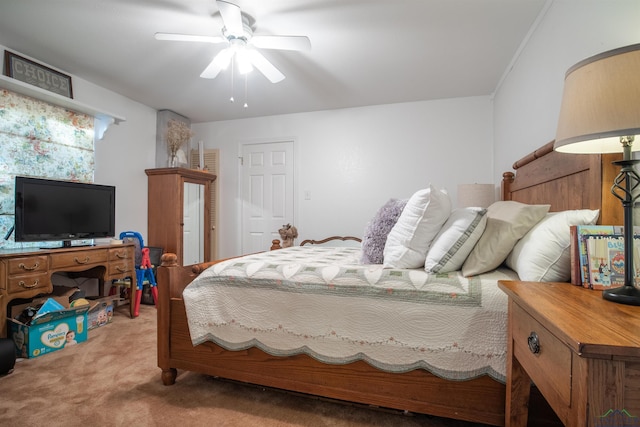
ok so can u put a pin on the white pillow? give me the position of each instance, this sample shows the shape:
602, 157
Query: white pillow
421, 219
544, 253
507, 222
456, 240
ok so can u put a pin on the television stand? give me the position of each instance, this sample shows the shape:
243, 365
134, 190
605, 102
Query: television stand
26, 273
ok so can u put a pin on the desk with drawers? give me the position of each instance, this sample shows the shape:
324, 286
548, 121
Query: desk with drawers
26, 273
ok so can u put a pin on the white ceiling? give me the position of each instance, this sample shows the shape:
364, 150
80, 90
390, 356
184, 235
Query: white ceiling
364, 52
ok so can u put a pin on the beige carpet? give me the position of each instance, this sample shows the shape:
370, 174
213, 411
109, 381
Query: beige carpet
112, 380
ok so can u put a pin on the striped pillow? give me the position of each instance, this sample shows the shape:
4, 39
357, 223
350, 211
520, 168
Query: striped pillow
456, 240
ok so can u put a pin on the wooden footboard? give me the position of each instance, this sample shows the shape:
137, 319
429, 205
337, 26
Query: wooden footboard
479, 400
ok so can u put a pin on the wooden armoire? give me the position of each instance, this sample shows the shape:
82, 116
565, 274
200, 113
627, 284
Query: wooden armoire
179, 205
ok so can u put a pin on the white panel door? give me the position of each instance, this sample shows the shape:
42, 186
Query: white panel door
193, 219
267, 193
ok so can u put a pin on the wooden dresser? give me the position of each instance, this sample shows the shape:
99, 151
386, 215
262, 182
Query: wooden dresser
179, 220
25, 273
582, 352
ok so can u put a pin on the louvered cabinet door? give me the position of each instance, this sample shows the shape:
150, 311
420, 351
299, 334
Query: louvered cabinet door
211, 161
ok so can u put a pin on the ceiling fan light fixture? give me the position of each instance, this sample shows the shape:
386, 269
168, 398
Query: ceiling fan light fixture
237, 32
244, 61
223, 58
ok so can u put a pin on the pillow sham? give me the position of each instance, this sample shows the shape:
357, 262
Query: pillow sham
544, 253
409, 239
377, 230
507, 222
456, 240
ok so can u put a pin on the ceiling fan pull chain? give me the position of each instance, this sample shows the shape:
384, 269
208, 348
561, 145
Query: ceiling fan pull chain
231, 98
246, 84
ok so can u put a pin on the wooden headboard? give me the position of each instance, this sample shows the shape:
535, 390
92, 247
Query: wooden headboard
569, 181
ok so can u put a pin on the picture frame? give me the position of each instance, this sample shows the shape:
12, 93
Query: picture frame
28, 71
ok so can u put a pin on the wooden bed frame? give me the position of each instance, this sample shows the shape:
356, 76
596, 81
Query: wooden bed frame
565, 181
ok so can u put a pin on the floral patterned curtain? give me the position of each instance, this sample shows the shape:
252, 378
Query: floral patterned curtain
40, 140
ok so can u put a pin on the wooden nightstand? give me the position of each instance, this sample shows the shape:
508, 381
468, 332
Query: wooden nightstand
582, 352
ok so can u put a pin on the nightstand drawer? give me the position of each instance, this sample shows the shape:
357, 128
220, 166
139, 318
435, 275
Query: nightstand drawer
548, 365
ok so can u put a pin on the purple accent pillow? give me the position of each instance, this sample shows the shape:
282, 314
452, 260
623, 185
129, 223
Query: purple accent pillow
377, 230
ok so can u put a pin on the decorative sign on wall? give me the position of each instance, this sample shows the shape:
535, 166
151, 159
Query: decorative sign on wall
36, 74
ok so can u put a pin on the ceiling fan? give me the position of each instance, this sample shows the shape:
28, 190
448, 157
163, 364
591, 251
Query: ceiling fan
237, 33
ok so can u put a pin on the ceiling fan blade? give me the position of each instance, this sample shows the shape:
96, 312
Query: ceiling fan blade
264, 66
220, 62
189, 38
282, 42
231, 16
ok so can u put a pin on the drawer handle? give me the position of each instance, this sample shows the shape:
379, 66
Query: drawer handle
534, 343
24, 285
121, 269
86, 260
121, 255
24, 267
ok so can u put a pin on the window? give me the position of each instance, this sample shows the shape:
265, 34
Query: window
40, 140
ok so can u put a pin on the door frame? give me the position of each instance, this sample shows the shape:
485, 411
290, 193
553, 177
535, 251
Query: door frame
239, 191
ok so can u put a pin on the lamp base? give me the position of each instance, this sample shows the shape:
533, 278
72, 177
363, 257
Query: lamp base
627, 294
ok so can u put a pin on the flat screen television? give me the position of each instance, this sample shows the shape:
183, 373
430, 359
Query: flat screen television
51, 210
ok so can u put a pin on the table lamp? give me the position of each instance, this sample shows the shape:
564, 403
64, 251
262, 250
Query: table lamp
600, 113
476, 195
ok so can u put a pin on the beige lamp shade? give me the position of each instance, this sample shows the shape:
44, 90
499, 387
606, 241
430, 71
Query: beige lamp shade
600, 103
476, 195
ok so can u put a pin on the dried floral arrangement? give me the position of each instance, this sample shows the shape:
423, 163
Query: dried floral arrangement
177, 134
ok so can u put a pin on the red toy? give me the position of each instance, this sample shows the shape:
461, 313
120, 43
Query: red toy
146, 261
147, 272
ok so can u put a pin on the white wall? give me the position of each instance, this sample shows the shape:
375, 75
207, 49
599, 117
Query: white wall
353, 160
124, 153
126, 150
528, 102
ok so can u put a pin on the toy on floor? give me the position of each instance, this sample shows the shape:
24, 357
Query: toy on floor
143, 267
145, 271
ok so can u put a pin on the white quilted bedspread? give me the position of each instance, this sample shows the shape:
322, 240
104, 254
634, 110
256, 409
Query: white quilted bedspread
320, 301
